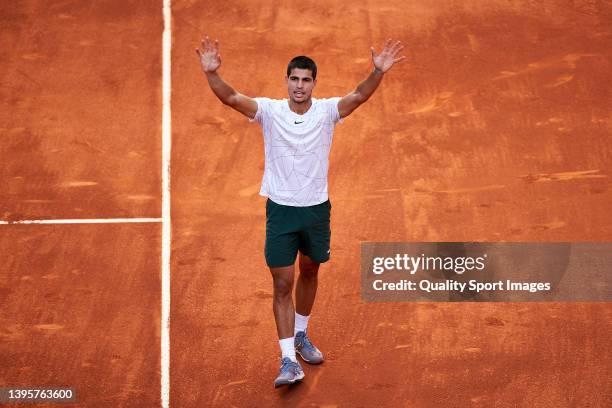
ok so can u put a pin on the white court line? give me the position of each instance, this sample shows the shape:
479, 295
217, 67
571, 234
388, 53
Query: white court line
166, 224
83, 221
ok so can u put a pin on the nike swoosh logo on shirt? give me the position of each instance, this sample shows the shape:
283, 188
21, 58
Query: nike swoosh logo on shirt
297, 123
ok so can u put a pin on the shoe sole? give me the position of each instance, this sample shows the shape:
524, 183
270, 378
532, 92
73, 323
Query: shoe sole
308, 361
295, 380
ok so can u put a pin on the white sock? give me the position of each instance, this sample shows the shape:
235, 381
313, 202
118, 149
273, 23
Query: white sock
288, 348
301, 323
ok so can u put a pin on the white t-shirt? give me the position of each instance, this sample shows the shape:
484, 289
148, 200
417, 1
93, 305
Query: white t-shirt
297, 150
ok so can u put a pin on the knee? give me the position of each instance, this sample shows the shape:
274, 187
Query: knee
309, 272
282, 287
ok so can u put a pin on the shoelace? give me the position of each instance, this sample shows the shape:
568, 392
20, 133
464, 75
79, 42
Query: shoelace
288, 364
305, 342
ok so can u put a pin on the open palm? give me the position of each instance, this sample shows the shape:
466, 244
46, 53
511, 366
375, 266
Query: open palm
387, 57
210, 59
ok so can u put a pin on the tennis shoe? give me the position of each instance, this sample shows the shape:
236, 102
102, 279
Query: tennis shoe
290, 372
307, 350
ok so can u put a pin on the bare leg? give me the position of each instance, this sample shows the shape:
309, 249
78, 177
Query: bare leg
282, 303
306, 288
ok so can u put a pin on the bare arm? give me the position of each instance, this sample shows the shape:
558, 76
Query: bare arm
210, 60
382, 63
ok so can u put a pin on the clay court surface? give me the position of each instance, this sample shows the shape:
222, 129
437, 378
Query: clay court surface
496, 128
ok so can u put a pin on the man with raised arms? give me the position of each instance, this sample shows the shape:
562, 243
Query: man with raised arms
297, 140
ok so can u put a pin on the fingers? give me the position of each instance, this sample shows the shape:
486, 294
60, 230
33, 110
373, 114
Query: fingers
209, 46
396, 47
397, 50
392, 47
399, 59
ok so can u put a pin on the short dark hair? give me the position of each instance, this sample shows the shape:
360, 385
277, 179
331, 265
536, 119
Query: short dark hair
302, 62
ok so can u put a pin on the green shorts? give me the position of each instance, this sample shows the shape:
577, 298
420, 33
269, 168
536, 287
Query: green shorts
292, 229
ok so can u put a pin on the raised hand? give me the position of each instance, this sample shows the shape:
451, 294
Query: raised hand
210, 59
385, 60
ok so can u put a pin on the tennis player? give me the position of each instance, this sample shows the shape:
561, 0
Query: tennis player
297, 134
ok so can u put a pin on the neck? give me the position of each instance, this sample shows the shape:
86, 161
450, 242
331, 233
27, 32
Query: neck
300, 107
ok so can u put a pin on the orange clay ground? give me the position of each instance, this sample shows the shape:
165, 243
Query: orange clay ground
495, 128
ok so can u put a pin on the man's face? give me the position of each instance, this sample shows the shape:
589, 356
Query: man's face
300, 85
